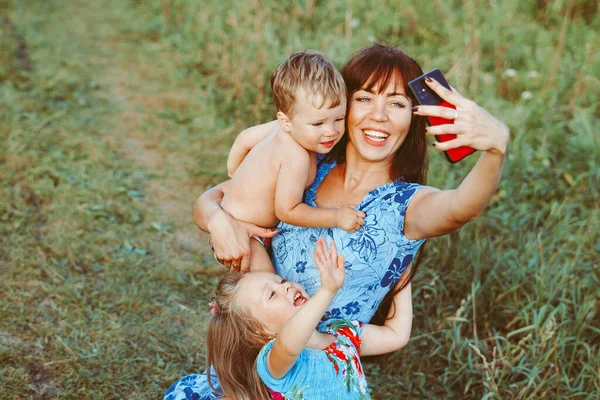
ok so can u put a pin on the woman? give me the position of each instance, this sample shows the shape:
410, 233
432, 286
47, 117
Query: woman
380, 165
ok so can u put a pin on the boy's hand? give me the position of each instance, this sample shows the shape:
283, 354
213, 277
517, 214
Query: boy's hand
330, 265
349, 219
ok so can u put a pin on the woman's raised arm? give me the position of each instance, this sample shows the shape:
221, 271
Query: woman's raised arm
437, 212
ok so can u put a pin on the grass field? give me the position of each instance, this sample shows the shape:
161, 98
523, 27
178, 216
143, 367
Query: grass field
116, 115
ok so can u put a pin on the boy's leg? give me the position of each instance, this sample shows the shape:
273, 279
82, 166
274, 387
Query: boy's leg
259, 259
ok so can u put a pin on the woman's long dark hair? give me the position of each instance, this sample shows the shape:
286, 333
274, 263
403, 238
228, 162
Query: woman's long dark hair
378, 65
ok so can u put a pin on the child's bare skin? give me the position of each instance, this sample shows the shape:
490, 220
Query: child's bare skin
269, 180
271, 165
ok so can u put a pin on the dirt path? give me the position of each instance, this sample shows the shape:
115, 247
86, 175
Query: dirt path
139, 84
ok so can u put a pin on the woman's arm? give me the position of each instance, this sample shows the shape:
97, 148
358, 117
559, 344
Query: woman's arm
208, 206
230, 237
297, 331
437, 212
395, 333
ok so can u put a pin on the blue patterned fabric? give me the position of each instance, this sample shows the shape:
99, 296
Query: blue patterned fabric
193, 387
331, 373
375, 255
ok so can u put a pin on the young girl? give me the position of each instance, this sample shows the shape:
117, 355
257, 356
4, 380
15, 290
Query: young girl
262, 336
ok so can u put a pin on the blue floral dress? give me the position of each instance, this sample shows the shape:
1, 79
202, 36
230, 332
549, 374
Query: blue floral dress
332, 373
375, 257
193, 387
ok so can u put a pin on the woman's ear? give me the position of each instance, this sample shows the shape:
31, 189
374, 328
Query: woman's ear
284, 121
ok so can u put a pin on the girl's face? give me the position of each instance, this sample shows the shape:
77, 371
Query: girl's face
271, 299
378, 121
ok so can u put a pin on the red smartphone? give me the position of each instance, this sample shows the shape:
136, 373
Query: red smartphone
426, 96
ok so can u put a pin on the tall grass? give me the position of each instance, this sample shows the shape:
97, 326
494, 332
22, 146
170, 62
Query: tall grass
98, 299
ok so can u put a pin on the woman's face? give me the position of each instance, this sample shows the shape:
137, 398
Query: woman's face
378, 121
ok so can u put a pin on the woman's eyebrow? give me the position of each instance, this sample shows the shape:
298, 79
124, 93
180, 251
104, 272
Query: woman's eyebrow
397, 94
388, 95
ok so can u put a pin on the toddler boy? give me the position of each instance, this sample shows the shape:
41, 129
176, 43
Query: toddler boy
272, 164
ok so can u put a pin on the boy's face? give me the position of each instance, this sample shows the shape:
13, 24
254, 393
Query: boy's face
315, 129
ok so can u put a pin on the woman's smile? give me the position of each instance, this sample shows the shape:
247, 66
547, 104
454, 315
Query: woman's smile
375, 137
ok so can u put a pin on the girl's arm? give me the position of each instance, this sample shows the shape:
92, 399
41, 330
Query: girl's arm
245, 141
230, 237
435, 212
395, 333
295, 334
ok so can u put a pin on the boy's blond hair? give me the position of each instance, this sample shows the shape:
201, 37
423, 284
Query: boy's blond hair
311, 71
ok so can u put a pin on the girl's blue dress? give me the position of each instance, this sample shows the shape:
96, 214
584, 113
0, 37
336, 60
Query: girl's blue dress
332, 373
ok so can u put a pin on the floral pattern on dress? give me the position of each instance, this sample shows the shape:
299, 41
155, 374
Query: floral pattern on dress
193, 387
333, 373
375, 256
343, 354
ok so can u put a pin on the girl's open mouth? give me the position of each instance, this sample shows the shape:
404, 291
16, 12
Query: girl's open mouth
299, 299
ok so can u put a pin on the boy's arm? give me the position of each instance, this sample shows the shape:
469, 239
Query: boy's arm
395, 333
295, 334
289, 208
245, 141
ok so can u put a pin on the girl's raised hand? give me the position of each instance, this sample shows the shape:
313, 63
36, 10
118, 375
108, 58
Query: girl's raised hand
473, 125
330, 265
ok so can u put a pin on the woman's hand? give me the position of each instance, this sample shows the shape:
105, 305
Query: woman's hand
230, 239
435, 212
473, 125
330, 265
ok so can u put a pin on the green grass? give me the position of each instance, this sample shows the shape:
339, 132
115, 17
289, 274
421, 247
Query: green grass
116, 114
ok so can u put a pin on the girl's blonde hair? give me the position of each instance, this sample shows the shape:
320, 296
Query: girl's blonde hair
234, 340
